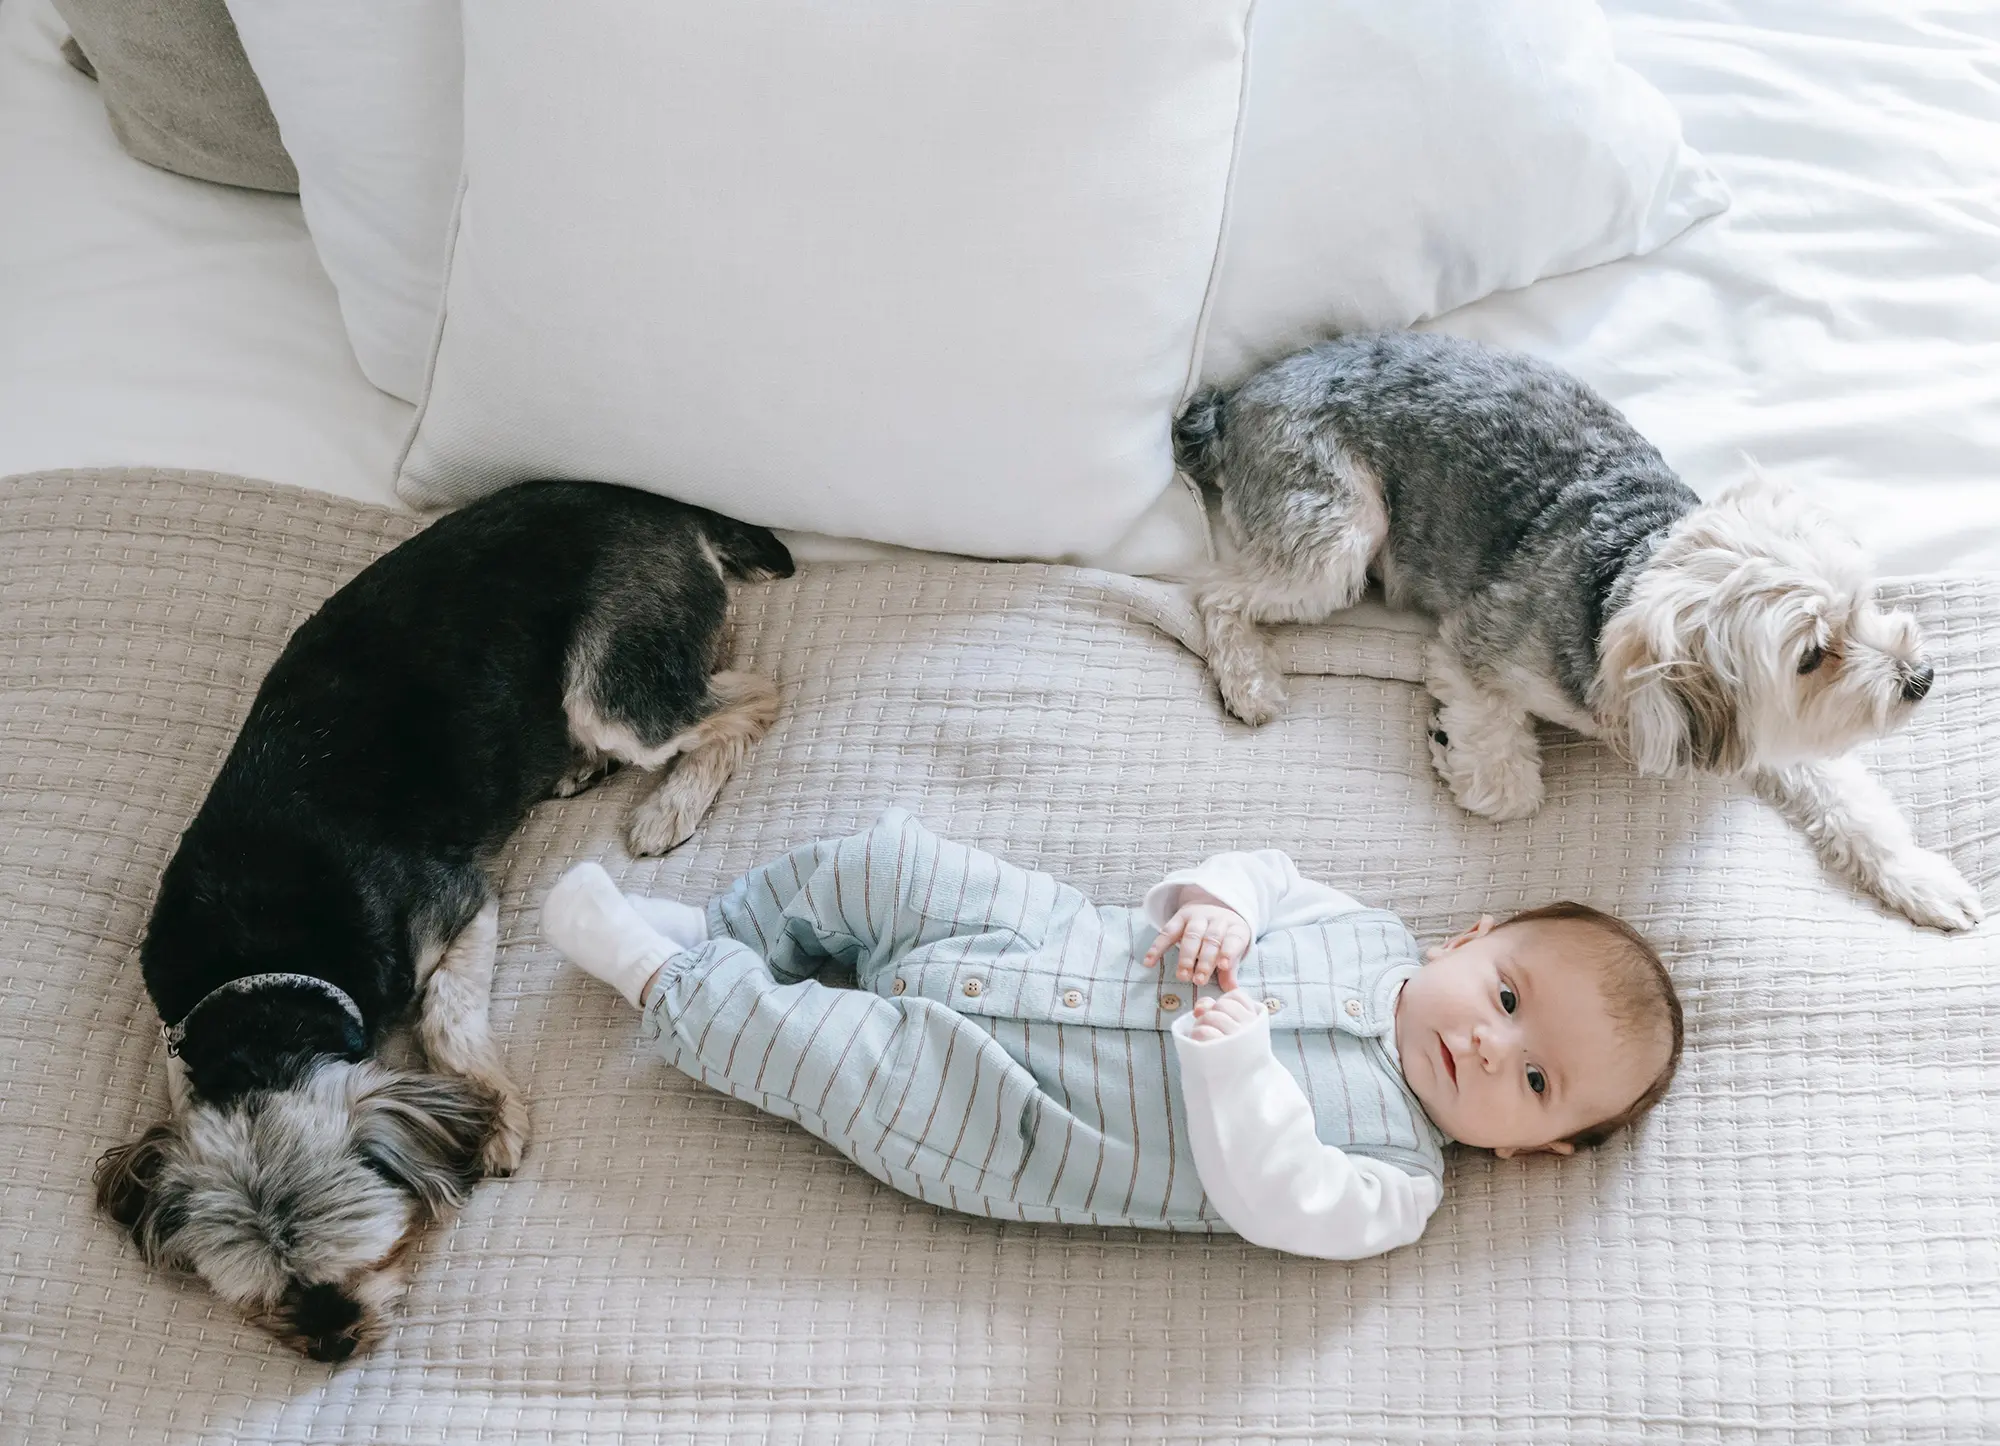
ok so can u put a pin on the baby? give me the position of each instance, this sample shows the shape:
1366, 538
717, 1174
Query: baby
1005, 1050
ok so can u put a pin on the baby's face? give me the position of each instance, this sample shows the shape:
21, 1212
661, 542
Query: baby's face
1507, 1041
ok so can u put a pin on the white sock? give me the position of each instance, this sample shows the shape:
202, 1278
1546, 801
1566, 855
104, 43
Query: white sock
686, 925
587, 919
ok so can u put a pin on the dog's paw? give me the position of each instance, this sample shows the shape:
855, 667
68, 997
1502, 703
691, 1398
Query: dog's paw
1925, 889
1256, 697
664, 820
501, 1155
1500, 784
584, 777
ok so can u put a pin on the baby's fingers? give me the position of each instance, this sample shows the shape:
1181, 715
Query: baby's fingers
1216, 955
1193, 941
1168, 937
1217, 1019
1239, 1006
1195, 960
1234, 946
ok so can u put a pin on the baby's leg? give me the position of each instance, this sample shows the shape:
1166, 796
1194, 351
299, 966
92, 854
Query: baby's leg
685, 924
902, 1085
724, 1017
865, 901
810, 906
597, 929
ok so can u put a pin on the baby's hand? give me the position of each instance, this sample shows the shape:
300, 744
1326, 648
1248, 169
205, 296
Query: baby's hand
1213, 940
1233, 1013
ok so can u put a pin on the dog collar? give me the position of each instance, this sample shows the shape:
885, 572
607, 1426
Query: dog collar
175, 1034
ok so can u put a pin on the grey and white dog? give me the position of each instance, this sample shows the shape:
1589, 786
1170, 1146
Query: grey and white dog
1574, 577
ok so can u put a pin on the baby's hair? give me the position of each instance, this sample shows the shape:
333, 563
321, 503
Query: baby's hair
1639, 991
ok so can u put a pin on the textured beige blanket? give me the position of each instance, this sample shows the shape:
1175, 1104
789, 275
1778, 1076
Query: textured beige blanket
1800, 1247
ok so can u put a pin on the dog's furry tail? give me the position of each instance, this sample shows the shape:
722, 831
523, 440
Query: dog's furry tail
745, 550
1198, 436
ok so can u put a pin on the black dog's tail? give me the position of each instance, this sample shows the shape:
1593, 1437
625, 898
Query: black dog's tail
746, 550
1198, 436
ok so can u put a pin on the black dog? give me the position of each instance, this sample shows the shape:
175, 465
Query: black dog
333, 878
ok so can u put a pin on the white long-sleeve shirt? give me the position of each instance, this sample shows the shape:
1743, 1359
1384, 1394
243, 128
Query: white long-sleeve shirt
1251, 1127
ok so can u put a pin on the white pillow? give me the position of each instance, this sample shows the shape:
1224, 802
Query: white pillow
1399, 160
1395, 162
366, 93
925, 273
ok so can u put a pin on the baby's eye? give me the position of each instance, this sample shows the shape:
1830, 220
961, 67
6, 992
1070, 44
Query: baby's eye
1507, 999
1537, 1081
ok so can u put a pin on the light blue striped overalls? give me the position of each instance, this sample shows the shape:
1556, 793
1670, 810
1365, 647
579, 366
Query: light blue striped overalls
1004, 1053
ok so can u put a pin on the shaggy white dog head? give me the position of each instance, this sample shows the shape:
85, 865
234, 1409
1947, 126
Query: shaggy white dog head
1752, 639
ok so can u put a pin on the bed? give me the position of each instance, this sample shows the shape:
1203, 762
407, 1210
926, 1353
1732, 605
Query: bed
1799, 1247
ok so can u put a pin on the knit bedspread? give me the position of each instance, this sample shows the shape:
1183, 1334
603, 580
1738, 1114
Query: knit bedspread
1801, 1246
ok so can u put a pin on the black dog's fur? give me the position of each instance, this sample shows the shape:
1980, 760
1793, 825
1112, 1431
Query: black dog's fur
400, 739
395, 745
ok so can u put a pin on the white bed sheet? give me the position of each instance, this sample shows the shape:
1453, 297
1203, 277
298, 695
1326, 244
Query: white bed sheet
1841, 323
149, 319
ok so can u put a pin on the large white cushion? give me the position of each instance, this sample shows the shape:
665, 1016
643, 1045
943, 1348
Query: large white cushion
366, 93
1394, 162
929, 274
1402, 159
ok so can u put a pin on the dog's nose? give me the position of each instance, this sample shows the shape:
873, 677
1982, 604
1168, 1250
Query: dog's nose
1917, 684
328, 1319
332, 1349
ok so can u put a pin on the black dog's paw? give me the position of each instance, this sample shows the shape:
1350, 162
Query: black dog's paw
584, 777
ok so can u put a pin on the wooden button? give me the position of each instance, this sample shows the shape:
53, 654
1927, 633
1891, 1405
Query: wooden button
901, 985
1170, 1001
973, 988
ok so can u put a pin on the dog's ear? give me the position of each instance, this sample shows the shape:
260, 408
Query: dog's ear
127, 1180
1752, 481
1635, 698
1714, 741
1757, 493
424, 1132
1663, 704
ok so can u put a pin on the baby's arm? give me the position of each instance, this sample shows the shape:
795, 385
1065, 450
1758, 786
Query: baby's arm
1263, 886
1262, 1164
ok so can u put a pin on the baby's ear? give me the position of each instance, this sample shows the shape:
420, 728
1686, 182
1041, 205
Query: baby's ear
1484, 926
1553, 1147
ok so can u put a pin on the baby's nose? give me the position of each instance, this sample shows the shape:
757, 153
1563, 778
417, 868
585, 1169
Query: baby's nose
1496, 1045
1486, 1044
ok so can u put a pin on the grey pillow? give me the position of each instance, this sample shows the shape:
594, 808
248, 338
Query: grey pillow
178, 90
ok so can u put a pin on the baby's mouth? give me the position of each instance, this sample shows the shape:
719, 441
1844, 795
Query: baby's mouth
1450, 1064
